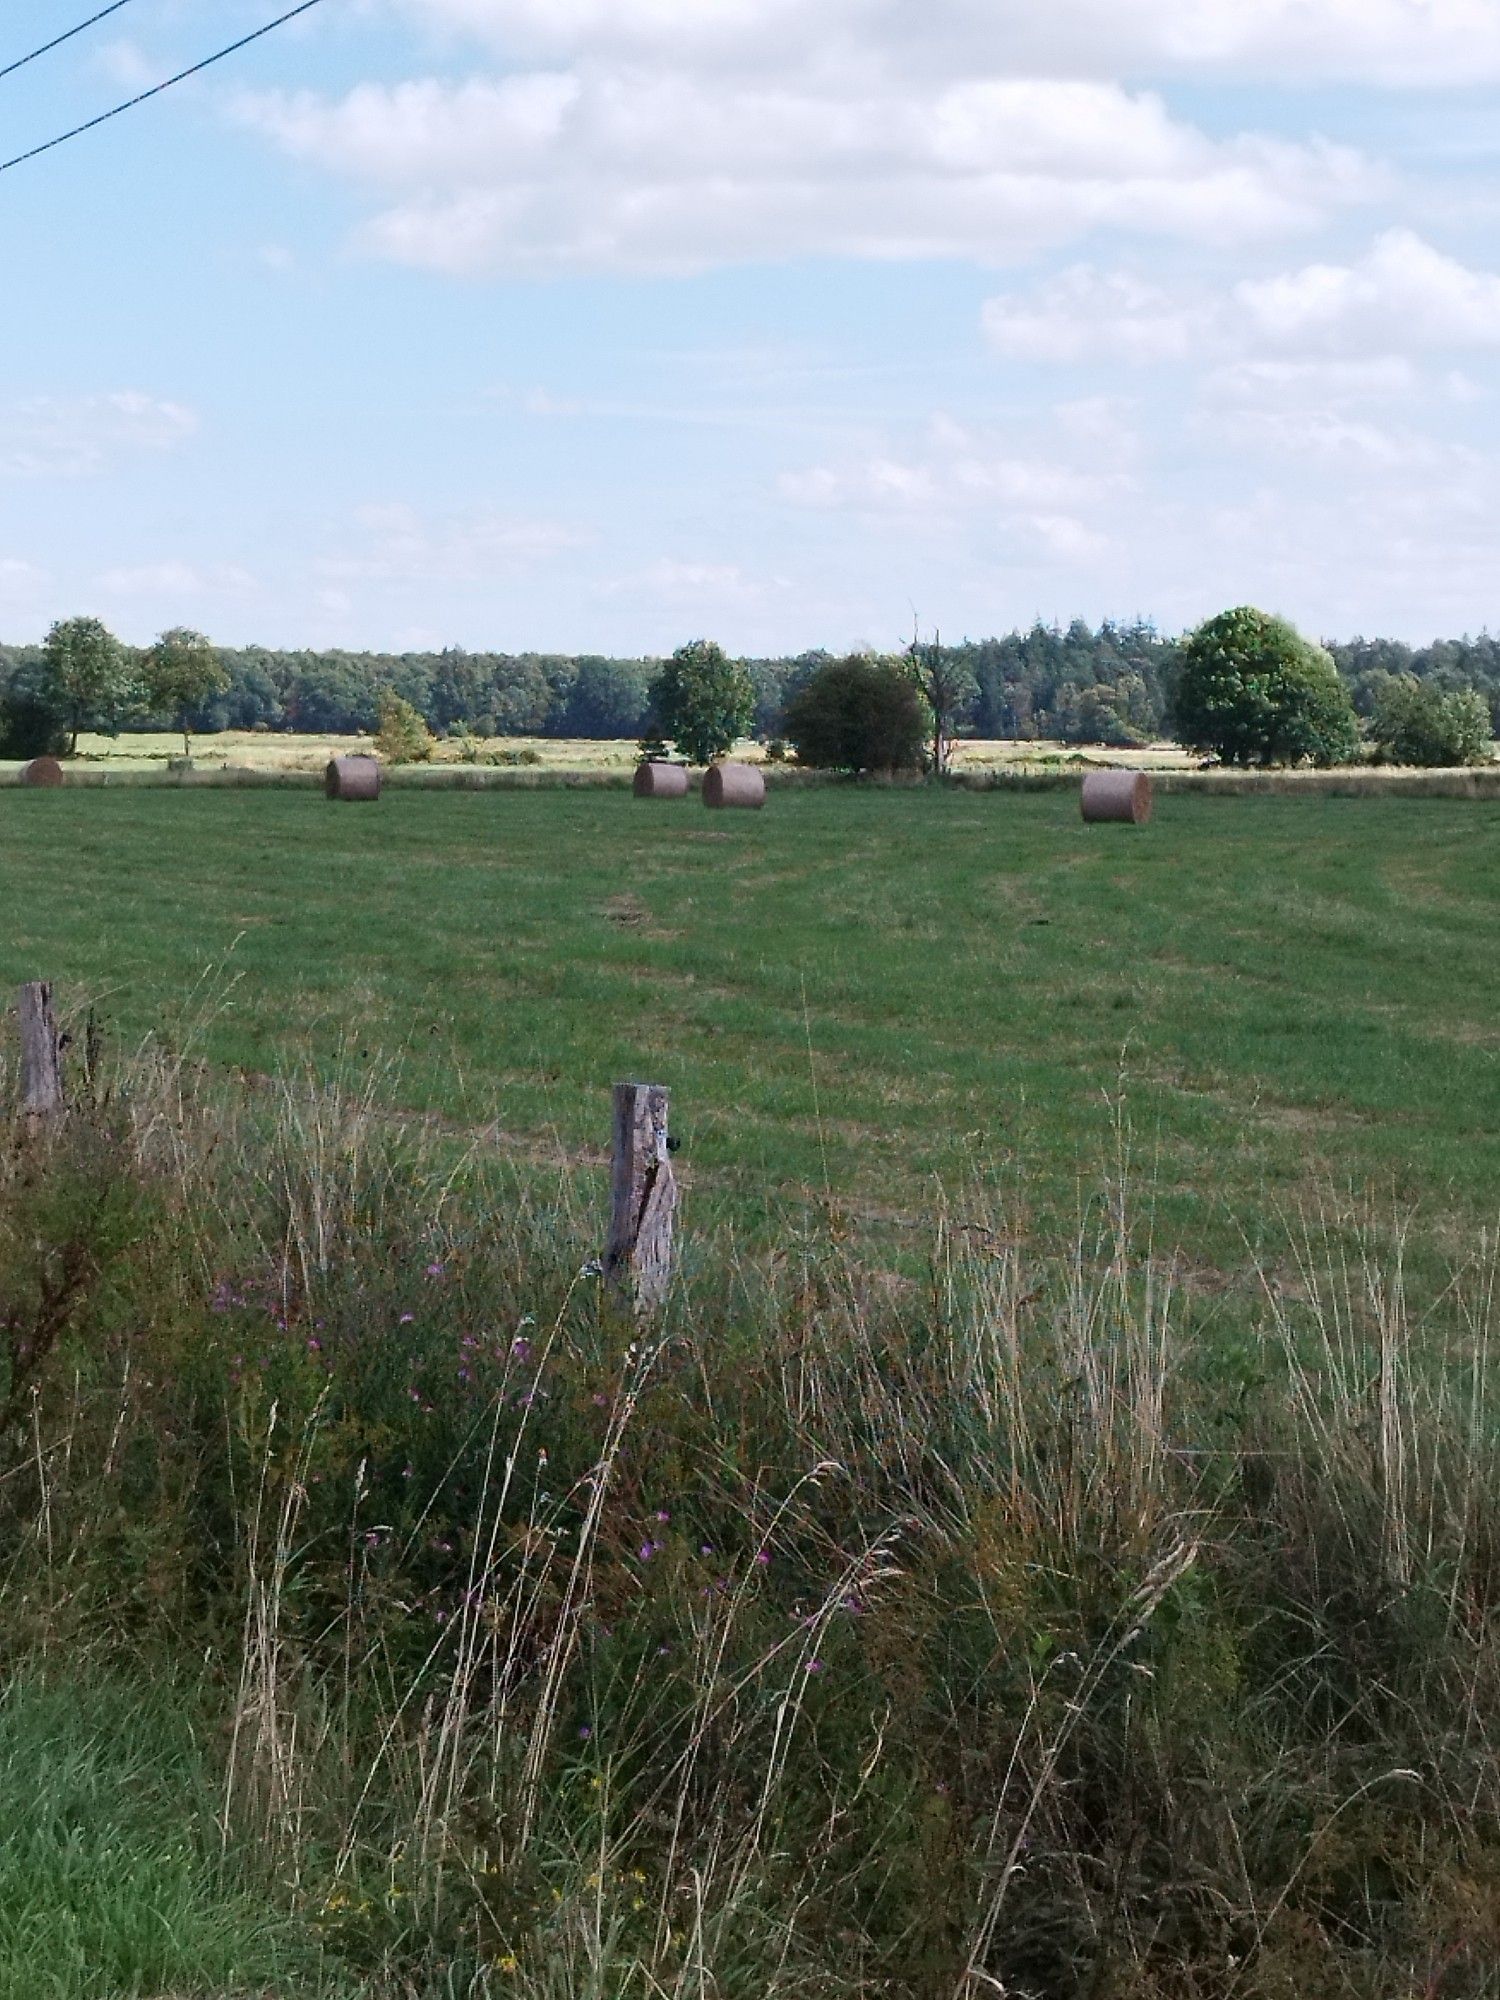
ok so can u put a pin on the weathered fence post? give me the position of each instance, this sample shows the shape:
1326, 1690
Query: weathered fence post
638, 1263
41, 1053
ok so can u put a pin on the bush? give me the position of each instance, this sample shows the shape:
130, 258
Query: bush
1415, 723
403, 737
1252, 690
858, 714
30, 726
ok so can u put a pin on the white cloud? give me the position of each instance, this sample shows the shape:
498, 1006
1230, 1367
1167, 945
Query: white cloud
1367, 318
399, 545
83, 434
1045, 500
1086, 314
666, 169
1403, 293
1396, 42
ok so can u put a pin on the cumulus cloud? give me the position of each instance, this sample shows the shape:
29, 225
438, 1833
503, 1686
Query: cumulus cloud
1402, 297
1404, 293
666, 169
75, 435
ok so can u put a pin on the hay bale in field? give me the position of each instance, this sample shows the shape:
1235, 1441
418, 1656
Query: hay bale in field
1117, 795
654, 780
43, 771
733, 785
352, 778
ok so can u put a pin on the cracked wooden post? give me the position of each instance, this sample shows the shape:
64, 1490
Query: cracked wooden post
41, 1054
638, 1263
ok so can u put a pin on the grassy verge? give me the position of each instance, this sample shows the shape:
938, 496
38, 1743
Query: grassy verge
1020, 1629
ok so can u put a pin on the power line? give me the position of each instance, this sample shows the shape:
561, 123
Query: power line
58, 40
157, 88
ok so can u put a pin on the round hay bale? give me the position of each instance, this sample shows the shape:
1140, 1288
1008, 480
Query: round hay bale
733, 785
352, 778
1117, 795
43, 771
661, 781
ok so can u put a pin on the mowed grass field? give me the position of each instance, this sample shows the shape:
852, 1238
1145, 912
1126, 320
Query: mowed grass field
879, 996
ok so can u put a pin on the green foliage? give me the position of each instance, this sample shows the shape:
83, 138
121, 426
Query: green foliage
1252, 690
111, 1878
29, 725
402, 736
1415, 722
85, 674
488, 1642
858, 714
180, 673
702, 701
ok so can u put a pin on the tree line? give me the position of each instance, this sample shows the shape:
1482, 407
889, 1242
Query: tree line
1112, 684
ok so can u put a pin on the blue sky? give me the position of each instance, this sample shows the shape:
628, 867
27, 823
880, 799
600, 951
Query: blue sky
599, 324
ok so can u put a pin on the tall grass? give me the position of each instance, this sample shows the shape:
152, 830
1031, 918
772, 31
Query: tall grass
1036, 1629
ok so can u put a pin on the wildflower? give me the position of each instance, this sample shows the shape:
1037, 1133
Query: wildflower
521, 1349
601, 1402
437, 1270
406, 1319
705, 1549
646, 1551
584, 1732
662, 1514
314, 1346
812, 1666
508, 1963
763, 1558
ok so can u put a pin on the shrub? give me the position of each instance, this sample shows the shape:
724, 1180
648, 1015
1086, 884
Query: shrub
1252, 690
702, 701
30, 726
858, 714
403, 737
1414, 722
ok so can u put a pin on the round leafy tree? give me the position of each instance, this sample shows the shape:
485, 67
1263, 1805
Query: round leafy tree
180, 673
701, 701
85, 675
1252, 690
858, 714
1416, 723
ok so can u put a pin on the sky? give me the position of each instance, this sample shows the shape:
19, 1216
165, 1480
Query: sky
599, 325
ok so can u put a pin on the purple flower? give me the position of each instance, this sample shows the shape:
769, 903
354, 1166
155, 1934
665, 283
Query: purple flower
812, 1666
406, 1319
521, 1349
662, 1514
315, 1346
705, 1550
585, 1733
646, 1551
763, 1557
437, 1270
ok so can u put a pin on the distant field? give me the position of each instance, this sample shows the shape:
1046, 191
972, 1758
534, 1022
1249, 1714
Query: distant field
262, 751
859, 993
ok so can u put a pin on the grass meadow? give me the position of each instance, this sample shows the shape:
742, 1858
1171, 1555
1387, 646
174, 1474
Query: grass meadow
1048, 1547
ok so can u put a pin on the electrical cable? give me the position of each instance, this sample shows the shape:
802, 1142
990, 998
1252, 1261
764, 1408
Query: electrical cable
58, 40
157, 88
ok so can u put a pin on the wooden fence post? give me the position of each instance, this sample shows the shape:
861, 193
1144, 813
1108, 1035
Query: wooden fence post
638, 1264
41, 1053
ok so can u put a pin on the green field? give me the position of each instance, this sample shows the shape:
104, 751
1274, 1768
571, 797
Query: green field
868, 993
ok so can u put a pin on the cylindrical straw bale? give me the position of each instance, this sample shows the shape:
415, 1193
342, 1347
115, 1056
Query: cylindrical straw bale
733, 785
1117, 795
661, 781
43, 771
352, 778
